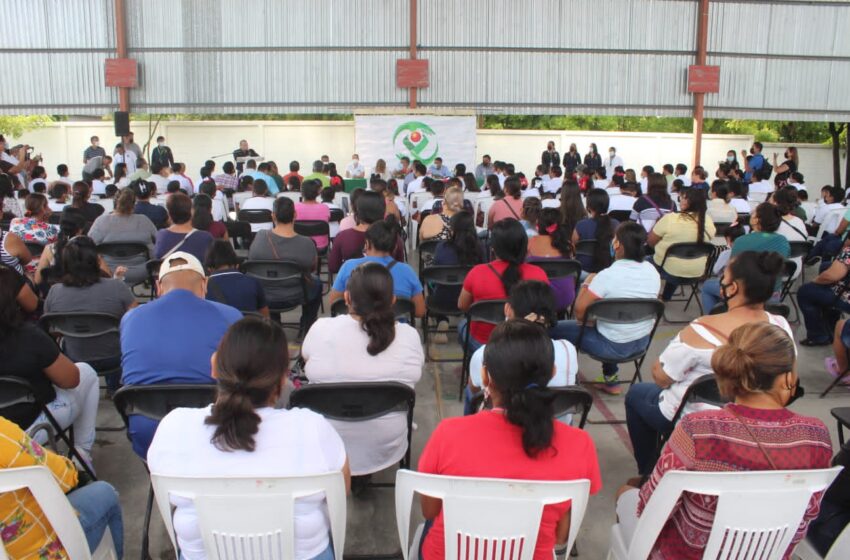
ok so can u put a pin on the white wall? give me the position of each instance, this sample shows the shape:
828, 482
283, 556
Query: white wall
193, 142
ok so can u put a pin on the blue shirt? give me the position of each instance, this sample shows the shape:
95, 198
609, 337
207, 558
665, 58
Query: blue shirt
756, 163
170, 340
405, 282
233, 288
270, 182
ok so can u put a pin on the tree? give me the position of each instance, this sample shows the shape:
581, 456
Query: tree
835, 131
16, 125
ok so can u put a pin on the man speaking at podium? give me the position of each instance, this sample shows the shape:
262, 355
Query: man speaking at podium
243, 152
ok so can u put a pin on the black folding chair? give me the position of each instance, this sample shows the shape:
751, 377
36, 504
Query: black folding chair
787, 282
240, 233
586, 248
572, 399
703, 390
123, 250
772, 308
337, 215
258, 216
35, 249
358, 402
620, 215
317, 228
690, 252
623, 311
744, 218
842, 417
153, 275
278, 275
155, 402
404, 309
17, 392
82, 325
800, 250
490, 311
557, 269
434, 278
720, 229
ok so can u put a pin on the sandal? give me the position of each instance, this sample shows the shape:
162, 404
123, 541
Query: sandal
810, 342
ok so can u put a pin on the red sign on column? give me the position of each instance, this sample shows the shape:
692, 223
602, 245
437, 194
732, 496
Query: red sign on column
703, 79
122, 72
411, 73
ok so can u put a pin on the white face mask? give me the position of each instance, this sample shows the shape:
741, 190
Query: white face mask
95, 144
612, 153
160, 144
730, 159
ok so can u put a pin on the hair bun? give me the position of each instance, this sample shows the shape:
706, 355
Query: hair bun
770, 262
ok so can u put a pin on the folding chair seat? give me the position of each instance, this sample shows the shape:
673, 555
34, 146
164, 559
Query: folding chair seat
691, 252
491, 312
317, 228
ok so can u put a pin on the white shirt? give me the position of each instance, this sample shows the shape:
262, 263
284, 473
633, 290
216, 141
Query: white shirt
686, 179
335, 352
295, 442
685, 364
829, 216
161, 182
552, 184
740, 205
799, 186
185, 183
35, 182
415, 186
620, 201
550, 203
601, 183
502, 179
761, 187
56, 206
259, 203
626, 279
355, 170
128, 158
644, 184
98, 187
611, 163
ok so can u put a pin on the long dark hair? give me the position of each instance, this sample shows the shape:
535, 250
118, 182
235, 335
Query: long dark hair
80, 194
696, 210
597, 201
71, 225
464, 238
10, 314
510, 244
519, 359
656, 190
251, 362
492, 182
470, 184
572, 207
202, 217
370, 288
80, 263
550, 224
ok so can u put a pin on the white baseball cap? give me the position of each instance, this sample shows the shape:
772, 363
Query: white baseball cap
172, 263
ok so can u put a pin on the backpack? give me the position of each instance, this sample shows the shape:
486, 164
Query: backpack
766, 170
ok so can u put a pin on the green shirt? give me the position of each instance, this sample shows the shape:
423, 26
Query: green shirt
759, 241
326, 182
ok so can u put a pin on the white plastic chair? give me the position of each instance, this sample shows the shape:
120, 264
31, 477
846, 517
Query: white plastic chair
251, 518
107, 203
58, 511
292, 195
488, 513
757, 514
840, 549
830, 222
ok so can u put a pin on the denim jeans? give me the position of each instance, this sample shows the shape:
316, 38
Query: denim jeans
645, 422
310, 309
598, 345
710, 294
113, 380
77, 406
97, 508
821, 309
461, 337
671, 283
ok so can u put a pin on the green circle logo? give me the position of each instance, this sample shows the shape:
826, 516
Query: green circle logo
416, 140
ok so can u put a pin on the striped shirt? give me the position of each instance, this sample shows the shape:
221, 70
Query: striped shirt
715, 440
92, 152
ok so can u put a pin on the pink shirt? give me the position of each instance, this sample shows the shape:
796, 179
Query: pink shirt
314, 211
504, 209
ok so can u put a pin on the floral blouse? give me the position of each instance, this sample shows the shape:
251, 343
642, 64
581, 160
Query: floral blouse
25, 531
32, 230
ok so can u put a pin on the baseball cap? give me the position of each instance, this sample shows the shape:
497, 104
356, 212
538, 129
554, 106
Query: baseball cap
178, 261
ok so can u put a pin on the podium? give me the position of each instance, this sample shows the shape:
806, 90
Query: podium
244, 160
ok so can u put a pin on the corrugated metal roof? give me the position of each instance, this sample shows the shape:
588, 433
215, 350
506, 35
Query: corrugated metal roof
783, 59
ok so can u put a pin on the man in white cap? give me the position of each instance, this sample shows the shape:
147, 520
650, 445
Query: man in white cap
172, 338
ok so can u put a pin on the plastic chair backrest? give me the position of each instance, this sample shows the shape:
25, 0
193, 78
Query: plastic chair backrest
123, 250
489, 517
690, 252
559, 268
55, 506
445, 275
703, 390
572, 399
312, 228
403, 308
354, 402
156, 401
276, 275
294, 196
81, 324
831, 221
490, 311
251, 517
624, 310
15, 391
256, 216
757, 515
337, 215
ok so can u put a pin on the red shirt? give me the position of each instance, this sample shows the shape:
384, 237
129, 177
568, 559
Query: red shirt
292, 174
487, 445
482, 283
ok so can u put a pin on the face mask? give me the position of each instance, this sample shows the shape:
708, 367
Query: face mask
725, 296
95, 144
730, 159
752, 151
611, 154
613, 251
797, 392
786, 155
160, 144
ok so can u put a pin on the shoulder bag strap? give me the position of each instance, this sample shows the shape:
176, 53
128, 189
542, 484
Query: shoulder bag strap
180, 244
790, 225
271, 244
511, 208
753, 437
496, 272
391, 264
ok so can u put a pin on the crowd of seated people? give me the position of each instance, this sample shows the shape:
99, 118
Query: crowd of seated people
194, 331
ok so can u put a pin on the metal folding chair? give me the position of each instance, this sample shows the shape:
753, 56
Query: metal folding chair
318, 228
690, 252
491, 312
434, 278
277, 275
404, 309
557, 269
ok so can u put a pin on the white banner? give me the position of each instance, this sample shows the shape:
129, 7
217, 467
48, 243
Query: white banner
421, 137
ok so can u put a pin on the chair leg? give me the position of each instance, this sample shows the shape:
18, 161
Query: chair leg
637, 376
147, 524
835, 382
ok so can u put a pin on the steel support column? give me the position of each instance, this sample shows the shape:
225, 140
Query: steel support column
121, 50
699, 98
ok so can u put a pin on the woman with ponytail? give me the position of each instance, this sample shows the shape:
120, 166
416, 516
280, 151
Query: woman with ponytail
599, 227
747, 284
496, 279
366, 345
80, 205
553, 242
242, 434
518, 438
756, 370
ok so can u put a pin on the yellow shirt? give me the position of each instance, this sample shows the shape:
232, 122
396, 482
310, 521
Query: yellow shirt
25, 530
680, 228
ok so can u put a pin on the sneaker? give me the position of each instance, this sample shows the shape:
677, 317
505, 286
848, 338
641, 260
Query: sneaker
833, 371
441, 337
609, 385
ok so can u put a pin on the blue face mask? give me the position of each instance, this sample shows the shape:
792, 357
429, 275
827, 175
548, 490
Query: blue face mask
613, 252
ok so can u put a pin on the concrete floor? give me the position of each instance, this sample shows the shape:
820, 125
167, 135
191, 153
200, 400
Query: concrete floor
371, 516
